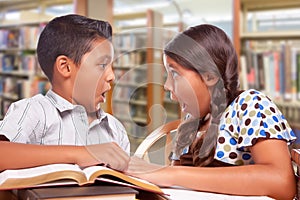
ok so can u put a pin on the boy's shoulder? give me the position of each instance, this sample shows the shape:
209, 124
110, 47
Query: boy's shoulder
33, 106
30, 100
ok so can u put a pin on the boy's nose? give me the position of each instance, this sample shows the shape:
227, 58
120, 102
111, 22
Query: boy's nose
110, 74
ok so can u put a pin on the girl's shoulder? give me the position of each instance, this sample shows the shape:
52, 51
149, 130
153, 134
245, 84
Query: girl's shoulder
251, 97
251, 93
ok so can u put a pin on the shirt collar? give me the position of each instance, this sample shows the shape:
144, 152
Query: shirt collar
59, 102
63, 105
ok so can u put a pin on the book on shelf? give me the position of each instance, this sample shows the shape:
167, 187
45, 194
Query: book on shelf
272, 67
13, 37
69, 174
9, 62
72, 192
3, 38
24, 37
29, 36
28, 62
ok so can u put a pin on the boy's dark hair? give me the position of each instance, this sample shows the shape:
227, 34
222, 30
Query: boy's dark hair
70, 35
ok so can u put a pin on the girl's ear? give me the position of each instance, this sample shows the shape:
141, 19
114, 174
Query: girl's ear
63, 66
210, 79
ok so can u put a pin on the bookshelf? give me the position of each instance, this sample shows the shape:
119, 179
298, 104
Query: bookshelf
269, 52
20, 76
138, 98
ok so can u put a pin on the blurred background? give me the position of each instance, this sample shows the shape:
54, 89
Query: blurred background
266, 35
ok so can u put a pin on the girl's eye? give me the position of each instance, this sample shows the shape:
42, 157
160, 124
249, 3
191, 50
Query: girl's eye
174, 73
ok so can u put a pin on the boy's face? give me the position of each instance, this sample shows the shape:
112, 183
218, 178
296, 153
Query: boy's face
93, 76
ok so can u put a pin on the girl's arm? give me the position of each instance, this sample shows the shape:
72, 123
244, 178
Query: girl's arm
271, 175
17, 155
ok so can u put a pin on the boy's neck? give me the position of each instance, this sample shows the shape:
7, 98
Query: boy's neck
92, 116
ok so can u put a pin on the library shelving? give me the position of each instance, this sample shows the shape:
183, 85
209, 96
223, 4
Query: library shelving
20, 76
138, 98
269, 52
21, 23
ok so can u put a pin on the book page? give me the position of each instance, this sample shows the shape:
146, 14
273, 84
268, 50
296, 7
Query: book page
89, 171
95, 172
36, 171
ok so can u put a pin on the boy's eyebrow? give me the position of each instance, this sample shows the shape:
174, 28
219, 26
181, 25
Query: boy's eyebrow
101, 58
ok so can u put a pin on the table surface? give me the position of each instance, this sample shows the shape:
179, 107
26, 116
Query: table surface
179, 194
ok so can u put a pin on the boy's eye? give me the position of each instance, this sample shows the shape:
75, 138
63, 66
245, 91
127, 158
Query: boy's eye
104, 62
103, 65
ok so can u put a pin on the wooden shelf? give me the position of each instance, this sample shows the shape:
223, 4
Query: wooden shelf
131, 67
9, 96
138, 102
140, 120
133, 119
21, 24
134, 102
258, 5
18, 74
271, 35
16, 49
134, 85
130, 16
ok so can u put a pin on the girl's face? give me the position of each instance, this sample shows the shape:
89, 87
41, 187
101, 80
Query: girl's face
187, 87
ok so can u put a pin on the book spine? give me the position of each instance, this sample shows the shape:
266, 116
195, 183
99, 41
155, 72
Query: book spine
282, 70
276, 57
27, 194
288, 73
266, 66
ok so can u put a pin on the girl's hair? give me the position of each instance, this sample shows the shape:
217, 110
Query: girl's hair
70, 35
205, 48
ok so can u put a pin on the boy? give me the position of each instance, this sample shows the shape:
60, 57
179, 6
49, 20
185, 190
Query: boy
67, 125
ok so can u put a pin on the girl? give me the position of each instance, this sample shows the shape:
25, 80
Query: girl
236, 141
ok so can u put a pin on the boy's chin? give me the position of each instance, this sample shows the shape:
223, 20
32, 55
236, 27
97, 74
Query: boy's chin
98, 106
91, 109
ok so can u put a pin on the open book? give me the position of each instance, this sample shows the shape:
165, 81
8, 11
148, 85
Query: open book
69, 174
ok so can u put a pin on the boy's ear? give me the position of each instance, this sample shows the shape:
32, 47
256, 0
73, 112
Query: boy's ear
210, 79
62, 65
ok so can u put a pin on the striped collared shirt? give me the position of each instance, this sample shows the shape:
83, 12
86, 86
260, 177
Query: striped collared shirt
52, 120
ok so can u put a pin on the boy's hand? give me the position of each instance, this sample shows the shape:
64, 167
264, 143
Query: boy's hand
109, 154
